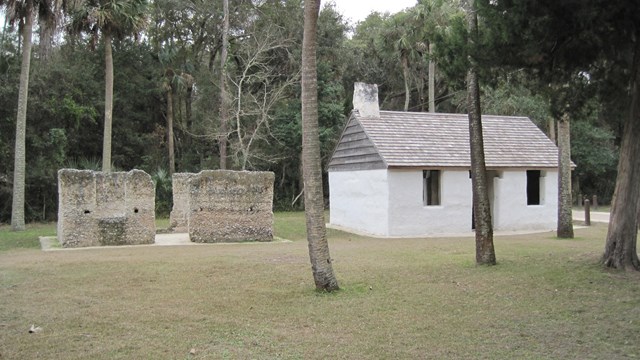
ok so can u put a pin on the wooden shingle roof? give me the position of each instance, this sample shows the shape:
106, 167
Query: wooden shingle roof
410, 139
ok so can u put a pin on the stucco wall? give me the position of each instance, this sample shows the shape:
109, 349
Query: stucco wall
408, 216
359, 200
511, 211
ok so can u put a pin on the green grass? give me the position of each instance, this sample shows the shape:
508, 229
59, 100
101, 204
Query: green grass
27, 239
162, 223
400, 299
287, 225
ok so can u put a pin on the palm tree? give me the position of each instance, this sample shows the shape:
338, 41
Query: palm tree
167, 87
23, 12
224, 96
110, 18
313, 195
168, 84
400, 39
433, 15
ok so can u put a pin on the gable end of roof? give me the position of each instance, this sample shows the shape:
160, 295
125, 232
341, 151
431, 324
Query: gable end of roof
355, 150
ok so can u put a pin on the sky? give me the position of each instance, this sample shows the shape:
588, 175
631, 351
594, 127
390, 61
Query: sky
357, 10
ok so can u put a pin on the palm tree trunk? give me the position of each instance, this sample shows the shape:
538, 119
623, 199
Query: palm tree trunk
405, 73
300, 183
224, 96
46, 33
485, 253
432, 81
170, 146
188, 113
4, 31
312, 173
551, 125
19, 176
108, 103
188, 107
419, 79
621, 246
565, 221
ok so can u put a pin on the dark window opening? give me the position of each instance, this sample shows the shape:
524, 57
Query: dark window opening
135, 210
87, 211
533, 187
431, 187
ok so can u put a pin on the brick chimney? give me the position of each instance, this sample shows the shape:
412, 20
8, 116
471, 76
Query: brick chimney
365, 99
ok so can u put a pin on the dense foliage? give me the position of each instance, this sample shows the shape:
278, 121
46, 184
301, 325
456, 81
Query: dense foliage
178, 51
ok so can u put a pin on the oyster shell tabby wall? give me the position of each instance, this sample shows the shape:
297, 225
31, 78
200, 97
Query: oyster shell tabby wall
180, 210
96, 208
230, 206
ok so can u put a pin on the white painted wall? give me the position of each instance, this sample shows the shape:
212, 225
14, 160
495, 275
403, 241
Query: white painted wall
408, 216
389, 202
511, 211
359, 201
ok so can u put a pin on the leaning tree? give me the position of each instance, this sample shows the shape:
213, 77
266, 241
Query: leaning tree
312, 173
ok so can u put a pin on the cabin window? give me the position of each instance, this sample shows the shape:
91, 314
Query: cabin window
431, 187
535, 187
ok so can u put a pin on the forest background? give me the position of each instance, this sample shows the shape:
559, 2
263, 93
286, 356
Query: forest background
168, 78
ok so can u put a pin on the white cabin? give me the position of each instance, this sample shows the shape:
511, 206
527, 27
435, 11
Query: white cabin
399, 174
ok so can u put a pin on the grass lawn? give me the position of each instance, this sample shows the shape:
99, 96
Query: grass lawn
27, 239
401, 299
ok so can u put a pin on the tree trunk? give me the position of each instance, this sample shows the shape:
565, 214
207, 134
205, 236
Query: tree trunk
405, 73
565, 221
419, 79
300, 184
576, 196
312, 173
552, 130
620, 249
19, 176
46, 33
178, 109
19, 50
170, 146
4, 31
485, 253
432, 81
189, 107
224, 96
108, 103
188, 113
